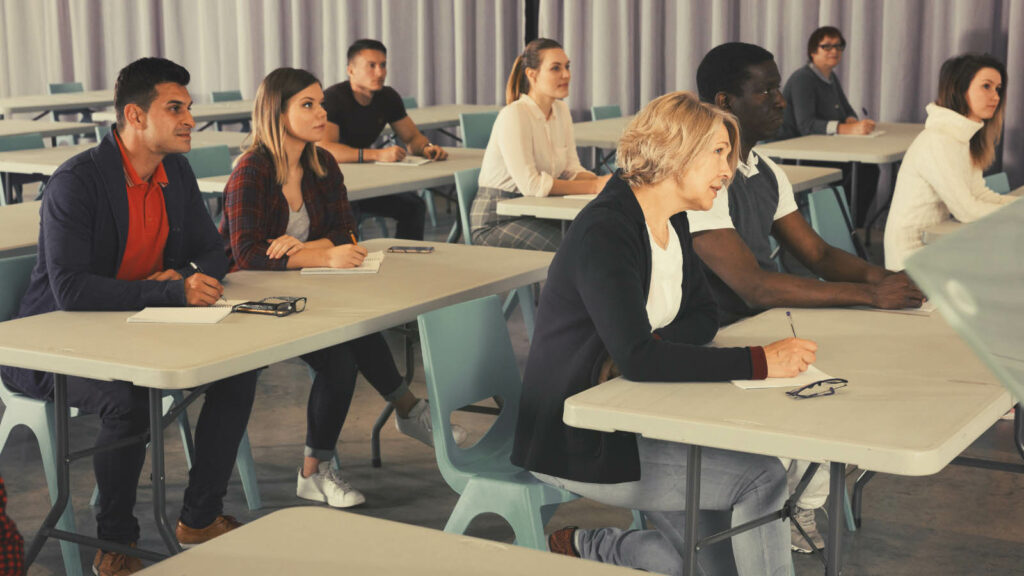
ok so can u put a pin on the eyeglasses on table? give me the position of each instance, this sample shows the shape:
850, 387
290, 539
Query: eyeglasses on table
825, 387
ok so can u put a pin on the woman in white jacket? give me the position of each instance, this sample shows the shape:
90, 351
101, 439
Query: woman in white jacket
941, 176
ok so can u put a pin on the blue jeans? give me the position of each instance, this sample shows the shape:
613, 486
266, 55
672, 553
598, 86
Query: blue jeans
735, 488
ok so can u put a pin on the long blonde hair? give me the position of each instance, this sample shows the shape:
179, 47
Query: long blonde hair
668, 135
518, 83
955, 78
268, 129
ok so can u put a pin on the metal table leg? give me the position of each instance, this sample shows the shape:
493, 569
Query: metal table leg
60, 405
156, 448
833, 547
692, 510
858, 494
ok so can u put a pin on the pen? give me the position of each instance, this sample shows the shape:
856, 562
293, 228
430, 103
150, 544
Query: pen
865, 111
791, 328
196, 268
353, 237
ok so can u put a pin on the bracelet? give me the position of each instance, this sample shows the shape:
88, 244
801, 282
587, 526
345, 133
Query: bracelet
360, 155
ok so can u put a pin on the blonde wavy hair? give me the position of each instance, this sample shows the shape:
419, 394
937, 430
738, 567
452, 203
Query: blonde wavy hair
667, 136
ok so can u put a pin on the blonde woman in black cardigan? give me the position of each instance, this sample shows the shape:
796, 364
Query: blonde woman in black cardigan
625, 292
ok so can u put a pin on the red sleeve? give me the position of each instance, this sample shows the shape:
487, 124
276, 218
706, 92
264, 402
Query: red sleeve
758, 363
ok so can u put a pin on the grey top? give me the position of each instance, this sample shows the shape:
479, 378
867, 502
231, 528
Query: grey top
298, 224
812, 102
753, 202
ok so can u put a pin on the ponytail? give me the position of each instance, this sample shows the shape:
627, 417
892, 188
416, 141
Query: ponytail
518, 83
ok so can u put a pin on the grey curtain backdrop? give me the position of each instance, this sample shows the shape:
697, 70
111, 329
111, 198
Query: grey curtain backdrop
624, 52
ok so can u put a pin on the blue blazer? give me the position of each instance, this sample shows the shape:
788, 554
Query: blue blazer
82, 236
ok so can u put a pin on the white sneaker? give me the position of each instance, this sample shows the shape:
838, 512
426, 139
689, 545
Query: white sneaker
328, 486
418, 425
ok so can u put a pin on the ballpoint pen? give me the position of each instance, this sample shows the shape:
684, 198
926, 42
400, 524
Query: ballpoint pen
791, 328
195, 267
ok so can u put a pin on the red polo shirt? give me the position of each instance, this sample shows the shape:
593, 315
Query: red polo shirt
147, 221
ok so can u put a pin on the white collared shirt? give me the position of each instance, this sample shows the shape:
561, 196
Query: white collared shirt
527, 151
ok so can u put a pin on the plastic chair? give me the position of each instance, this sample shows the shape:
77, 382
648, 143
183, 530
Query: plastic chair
466, 187
476, 128
601, 113
36, 415
998, 183
101, 131
211, 161
229, 96
827, 207
410, 102
12, 183
468, 357
85, 114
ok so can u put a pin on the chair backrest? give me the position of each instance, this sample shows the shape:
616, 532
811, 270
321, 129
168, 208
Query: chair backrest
410, 102
466, 185
210, 161
827, 207
101, 131
998, 183
974, 277
227, 96
65, 87
14, 142
476, 128
468, 357
14, 276
602, 112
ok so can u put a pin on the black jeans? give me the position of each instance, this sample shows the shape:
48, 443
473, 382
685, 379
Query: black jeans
334, 383
407, 208
124, 412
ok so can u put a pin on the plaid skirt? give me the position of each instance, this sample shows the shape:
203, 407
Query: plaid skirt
488, 228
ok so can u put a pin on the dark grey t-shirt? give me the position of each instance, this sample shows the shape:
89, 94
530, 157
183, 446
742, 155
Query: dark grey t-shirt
811, 103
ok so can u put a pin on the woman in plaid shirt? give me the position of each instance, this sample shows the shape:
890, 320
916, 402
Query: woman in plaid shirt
285, 207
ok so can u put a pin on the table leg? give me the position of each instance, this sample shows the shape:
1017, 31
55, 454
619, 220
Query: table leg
853, 191
1018, 429
833, 546
692, 510
858, 494
60, 407
156, 447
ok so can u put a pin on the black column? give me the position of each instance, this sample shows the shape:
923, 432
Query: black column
532, 17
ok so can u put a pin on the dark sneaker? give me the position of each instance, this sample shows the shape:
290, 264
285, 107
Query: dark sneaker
115, 564
189, 537
562, 541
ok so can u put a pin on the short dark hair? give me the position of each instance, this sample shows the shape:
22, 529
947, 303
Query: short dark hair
365, 44
724, 68
820, 34
136, 83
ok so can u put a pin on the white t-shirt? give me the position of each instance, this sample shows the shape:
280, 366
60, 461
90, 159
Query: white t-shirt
666, 291
718, 217
528, 151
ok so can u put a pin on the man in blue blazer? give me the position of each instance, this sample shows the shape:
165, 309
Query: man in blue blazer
123, 226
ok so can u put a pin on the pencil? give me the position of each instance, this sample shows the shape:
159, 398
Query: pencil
353, 237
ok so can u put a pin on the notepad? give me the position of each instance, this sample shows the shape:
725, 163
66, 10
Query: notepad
926, 309
580, 196
371, 265
407, 161
874, 134
184, 314
811, 375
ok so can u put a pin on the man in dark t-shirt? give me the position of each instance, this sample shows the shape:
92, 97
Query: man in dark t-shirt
357, 112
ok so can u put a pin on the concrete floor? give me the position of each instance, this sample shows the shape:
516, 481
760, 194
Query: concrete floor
960, 521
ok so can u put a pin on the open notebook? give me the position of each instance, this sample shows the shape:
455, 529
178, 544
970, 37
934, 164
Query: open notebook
407, 161
811, 375
371, 265
184, 314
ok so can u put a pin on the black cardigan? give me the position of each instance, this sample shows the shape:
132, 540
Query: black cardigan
594, 305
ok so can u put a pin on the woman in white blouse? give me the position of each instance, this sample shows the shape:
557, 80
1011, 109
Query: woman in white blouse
941, 175
531, 152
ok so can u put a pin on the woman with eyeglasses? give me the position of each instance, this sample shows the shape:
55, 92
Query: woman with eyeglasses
285, 207
941, 175
816, 104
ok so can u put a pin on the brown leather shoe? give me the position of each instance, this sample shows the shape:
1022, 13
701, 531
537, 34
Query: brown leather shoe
561, 541
115, 564
189, 537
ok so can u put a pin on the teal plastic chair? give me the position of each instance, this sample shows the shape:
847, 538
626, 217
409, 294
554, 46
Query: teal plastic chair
600, 113
998, 183
36, 415
84, 114
410, 102
476, 128
101, 131
12, 183
467, 358
229, 96
211, 161
827, 207
466, 187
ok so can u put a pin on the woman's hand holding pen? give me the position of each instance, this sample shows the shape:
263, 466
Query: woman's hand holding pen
344, 256
789, 357
283, 246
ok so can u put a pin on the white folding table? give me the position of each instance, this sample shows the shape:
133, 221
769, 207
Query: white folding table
44, 129
19, 228
45, 103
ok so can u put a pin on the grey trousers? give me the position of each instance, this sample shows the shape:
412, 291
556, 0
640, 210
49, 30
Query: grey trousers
735, 488
522, 232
